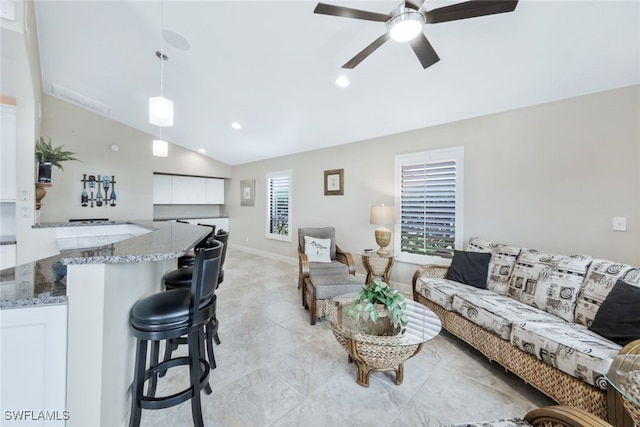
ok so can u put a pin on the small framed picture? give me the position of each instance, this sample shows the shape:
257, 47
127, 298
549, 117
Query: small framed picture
247, 192
334, 182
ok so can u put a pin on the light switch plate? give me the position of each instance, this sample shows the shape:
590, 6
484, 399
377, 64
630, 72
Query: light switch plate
24, 195
25, 211
619, 223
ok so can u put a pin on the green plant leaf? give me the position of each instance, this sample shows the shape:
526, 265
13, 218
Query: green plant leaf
46, 153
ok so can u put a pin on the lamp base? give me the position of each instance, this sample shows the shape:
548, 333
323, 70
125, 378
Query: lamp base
383, 238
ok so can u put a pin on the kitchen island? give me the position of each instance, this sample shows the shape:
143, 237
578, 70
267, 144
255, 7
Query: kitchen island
74, 307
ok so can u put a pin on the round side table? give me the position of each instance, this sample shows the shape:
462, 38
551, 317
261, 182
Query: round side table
377, 265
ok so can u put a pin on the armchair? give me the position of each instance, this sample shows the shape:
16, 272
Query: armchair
321, 281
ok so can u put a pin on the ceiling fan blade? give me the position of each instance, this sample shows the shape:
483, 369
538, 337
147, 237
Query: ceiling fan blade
424, 51
470, 9
366, 51
347, 12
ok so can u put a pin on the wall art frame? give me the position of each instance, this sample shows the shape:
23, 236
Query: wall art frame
334, 182
247, 192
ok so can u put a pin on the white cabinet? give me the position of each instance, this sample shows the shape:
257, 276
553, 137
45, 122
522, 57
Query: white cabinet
161, 189
34, 362
215, 191
7, 256
187, 190
8, 153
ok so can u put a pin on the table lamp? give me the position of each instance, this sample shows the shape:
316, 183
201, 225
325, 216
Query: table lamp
382, 215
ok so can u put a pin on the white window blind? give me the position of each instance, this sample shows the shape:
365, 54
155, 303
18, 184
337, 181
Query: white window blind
279, 205
429, 208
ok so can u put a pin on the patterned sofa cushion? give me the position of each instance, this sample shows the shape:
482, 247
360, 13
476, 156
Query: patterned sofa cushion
442, 291
570, 347
600, 278
497, 313
503, 258
549, 282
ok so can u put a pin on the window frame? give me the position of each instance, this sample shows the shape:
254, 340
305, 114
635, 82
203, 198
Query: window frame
270, 176
455, 154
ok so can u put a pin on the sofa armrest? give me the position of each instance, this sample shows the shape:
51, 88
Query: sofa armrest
429, 270
565, 416
346, 258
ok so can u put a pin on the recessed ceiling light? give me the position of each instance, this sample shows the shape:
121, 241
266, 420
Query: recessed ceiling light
342, 81
236, 125
202, 150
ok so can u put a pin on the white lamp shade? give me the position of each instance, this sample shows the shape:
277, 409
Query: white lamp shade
160, 148
160, 111
382, 215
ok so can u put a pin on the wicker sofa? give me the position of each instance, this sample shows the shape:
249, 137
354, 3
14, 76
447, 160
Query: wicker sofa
533, 317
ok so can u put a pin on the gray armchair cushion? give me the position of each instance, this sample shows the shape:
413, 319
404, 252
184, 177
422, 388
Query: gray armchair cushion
324, 269
321, 233
331, 286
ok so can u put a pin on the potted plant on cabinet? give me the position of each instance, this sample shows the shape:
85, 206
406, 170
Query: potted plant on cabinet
47, 156
380, 306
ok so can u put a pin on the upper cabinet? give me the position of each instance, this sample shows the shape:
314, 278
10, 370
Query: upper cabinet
187, 190
215, 191
161, 189
8, 153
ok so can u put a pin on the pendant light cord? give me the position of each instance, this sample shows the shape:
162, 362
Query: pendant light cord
161, 55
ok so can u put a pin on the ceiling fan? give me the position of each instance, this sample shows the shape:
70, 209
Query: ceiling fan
405, 22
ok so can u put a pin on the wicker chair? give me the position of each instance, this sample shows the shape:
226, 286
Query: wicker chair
322, 281
548, 416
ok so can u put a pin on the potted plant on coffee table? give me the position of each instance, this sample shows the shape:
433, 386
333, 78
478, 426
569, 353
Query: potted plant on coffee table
380, 306
47, 156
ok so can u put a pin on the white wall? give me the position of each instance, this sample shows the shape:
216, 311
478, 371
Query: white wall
549, 177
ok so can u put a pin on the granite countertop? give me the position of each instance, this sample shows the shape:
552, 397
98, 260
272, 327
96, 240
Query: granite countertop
44, 281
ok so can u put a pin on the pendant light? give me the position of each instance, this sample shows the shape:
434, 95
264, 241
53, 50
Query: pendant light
160, 148
160, 108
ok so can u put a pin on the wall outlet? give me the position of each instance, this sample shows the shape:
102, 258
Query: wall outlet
25, 212
619, 223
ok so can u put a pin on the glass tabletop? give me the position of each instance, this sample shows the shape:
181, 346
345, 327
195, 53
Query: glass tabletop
422, 326
624, 375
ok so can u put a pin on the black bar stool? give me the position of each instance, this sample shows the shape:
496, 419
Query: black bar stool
168, 315
181, 278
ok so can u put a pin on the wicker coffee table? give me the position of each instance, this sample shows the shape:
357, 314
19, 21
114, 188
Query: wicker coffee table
373, 353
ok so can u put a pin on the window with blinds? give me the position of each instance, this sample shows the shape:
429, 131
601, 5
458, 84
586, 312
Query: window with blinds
429, 204
279, 205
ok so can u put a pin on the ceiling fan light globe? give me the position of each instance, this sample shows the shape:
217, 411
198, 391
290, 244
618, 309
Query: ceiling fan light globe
406, 26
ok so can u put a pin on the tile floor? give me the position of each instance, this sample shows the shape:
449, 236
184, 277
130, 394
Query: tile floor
274, 369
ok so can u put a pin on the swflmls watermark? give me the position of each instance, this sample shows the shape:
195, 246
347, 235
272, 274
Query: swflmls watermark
29, 415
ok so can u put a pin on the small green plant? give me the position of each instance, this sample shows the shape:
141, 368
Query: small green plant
47, 153
378, 292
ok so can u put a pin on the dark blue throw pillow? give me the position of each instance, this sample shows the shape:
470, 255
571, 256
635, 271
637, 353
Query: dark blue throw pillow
470, 268
618, 318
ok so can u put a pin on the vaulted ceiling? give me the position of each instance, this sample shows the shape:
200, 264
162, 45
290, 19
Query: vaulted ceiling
271, 66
